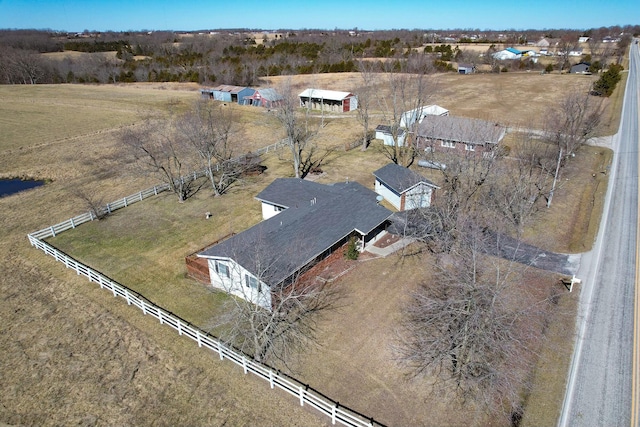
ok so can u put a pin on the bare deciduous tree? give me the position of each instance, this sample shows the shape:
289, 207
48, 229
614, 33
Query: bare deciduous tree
365, 95
210, 130
161, 150
93, 202
462, 183
471, 330
407, 93
273, 323
520, 181
570, 124
573, 121
300, 132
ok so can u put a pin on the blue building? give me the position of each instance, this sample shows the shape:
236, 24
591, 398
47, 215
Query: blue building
227, 93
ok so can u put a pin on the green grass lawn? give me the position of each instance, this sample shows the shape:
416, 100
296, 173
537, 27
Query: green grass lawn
144, 246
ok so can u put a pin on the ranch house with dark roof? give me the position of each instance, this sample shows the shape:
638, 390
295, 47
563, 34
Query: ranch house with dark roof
304, 222
444, 133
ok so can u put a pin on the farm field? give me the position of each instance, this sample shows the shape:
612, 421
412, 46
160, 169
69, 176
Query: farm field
73, 354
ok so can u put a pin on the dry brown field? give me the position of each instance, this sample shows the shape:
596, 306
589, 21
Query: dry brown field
72, 354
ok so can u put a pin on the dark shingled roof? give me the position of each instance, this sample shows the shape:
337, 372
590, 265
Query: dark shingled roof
318, 217
387, 129
289, 192
460, 129
399, 178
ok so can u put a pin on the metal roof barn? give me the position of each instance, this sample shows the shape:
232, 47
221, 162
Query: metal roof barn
328, 100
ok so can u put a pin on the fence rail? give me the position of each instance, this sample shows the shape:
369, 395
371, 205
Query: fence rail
53, 230
303, 392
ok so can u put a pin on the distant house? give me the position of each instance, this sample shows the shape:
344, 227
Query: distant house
547, 42
267, 98
328, 100
227, 93
385, 133
507, 54
444, 133
466, 68
580, 68
609, 39
404, 188
583, 39
575, 52
304, 222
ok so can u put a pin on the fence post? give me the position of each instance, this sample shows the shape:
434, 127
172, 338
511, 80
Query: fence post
125, 202
198, 338
179, 326
73, 224
333, 413
155, 190
271, 378
126, 296
220, 350
160, 316
144, 308
140, 193
244, 364
53, 232
301, 392
108, 208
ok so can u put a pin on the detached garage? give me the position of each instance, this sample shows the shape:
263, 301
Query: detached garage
328, 100
404, 188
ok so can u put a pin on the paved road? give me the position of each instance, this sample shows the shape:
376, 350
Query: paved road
599, 392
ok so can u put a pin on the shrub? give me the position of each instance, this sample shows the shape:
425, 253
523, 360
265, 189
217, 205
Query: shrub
351, 252
608, 81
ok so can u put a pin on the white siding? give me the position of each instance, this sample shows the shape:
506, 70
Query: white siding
387, 139
235, 283
389, 195
269, 210
353, 104
418, 197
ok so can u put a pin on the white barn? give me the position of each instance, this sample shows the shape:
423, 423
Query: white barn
328, 100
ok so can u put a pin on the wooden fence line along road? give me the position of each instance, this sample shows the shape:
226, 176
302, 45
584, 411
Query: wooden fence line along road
303, 392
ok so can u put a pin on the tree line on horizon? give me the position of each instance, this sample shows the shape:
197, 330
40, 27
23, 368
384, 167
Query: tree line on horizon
243, 58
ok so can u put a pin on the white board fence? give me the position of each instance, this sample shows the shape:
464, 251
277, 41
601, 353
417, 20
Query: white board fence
303, 392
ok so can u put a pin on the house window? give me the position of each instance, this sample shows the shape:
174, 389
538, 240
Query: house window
252, 282
448, 144
278, 208
469, 147
222, 269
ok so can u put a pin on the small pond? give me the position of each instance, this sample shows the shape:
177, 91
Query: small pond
12, 186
